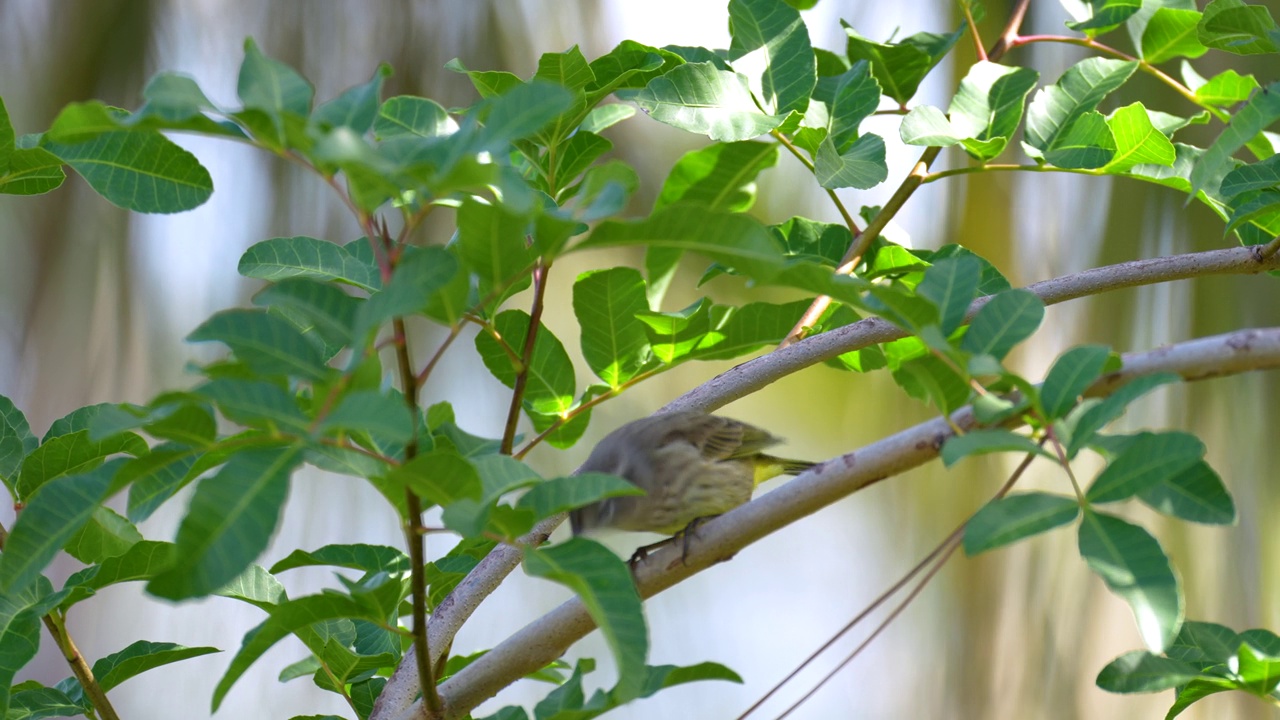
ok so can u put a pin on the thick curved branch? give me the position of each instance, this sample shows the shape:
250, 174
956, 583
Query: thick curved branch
752, 375
547, 638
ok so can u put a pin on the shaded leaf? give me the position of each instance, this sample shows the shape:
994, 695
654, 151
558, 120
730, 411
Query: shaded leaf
1015, 517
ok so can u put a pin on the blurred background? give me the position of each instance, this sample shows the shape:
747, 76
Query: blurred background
94, 304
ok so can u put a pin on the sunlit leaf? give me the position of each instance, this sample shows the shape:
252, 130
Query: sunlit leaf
1134, 567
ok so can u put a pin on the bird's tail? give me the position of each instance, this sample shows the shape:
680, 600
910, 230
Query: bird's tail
768, 467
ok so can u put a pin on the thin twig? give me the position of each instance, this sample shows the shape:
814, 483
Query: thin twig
979, 46
1266, 251
942, 552
526, 357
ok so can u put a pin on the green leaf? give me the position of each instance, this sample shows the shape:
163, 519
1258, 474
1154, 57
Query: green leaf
1095, 17
951, 284
1098, 416
1257, 176
49, 520
486, 82
982, 442
1227, 88
1134, 567
1195, 494
605, 587
266, 343
673, 336
139, 170
604, 117
565, 493
140, 657
1170, 33
521, 112
1204, 644
325, 307
614, 343
768, 36
441, 477
19, 640
699, 98
850, 97
422, 275
550, 384
307, 257
1012, 518
406, 115
371, 411
1258, 114
254, 403
899, 68
749, 328
862, 166
576, 155
142, 561
733, 240
37, 703
356, 108
369, 558
1138, 142
605, 190
105, 535
1006, 320
1151, 459
1087, 144
31, 171
721, 176
1139, 671
927, 126
16, 439
229, 522
1259, 659
271, 86
1072, 373
988, 106
68, 455
491, 243
1237, 27
1055, 109
930, 379
287, 617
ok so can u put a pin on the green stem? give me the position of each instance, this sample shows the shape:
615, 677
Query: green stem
79, 666
570, 415
1143, 65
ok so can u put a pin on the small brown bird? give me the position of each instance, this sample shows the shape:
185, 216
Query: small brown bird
690, 464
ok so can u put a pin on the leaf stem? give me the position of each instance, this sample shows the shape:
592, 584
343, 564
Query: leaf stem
862, 242
530, 336
978, 45
1052, 437
56, 625
1145, 66
571, 414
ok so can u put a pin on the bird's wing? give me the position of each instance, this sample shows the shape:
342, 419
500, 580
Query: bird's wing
720, 438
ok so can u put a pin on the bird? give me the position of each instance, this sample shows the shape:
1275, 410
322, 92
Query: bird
692, 465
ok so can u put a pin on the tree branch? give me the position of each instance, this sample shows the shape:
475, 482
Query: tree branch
752, 375
719, 539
